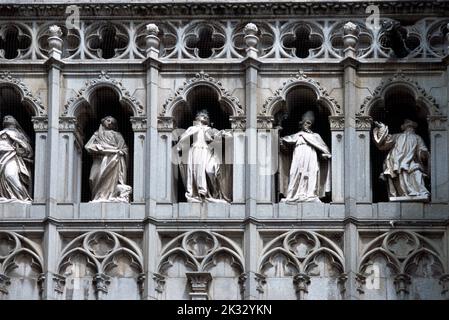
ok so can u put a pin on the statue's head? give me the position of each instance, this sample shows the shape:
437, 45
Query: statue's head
203, 117
409, 124
307, 120
9, 121
109, 123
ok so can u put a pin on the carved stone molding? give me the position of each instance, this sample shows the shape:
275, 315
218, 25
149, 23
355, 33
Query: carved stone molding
201, 78
165, 124
301, 79
103, 79
25, 94
399, 79
337, 122
265, 122
238, 123
40, 124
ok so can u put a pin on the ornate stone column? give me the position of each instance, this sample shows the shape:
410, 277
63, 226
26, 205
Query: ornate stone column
363, 172
70, 161
199, 283
40, 125
139, 125
439, 161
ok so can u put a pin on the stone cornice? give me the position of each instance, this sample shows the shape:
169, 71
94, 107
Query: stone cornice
162, 9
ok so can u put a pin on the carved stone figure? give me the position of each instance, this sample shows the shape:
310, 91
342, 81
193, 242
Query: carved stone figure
404, 166
15, 156
309, 174
110, 156
203, 174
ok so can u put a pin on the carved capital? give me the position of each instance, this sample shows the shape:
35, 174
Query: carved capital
166, 124
437, 123
4, 283
199, 282
101, 282
139, 124
363, 123
301, 282
40, 124
265, 122
337, 122
238, 122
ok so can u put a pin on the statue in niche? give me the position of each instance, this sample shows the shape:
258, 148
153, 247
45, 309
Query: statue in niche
107, 177
405, 165
204, 176
309, 172
15, 157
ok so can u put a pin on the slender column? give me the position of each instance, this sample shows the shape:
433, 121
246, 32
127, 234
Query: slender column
364, 184
139, 128
337, 160
439, 160
40, 125
238, 159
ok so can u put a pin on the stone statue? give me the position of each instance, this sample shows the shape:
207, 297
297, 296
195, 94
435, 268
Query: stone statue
203, 174
15, 156
404, 166
309, 174
110, 156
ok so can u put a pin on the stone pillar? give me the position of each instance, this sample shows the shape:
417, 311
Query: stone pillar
153, 284
139, 128
337, 160
199, 283
238, 159
69, 160
51, 235
439, 160
40, 125
251, 162
167, 169
350, 40
363, 172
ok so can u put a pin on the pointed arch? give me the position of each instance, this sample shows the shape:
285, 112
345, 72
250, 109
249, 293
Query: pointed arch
83, 96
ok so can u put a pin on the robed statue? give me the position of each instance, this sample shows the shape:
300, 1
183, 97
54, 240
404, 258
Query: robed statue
15, 158
107, 177
205, 177
304, 176
405, 166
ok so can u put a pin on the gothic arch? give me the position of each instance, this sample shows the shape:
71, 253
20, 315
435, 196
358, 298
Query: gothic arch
26, 96
201, 79
271, 105
83, 96
400, 80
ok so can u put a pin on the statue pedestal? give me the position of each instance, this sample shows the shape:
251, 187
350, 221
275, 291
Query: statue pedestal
410, 198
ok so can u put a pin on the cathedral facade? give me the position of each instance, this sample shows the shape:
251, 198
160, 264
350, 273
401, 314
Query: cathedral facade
224, 150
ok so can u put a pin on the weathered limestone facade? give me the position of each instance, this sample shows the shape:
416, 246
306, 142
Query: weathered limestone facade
251, 64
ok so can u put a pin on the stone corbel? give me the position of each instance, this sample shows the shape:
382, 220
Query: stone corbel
437, 123
101, 283
140, 282
337, 122
361, 281
41, 283
159, 279
402, 282
301, 282
363, 123
4, 283
242, 283
59, 282
444, 282
341, 283
261, 282
199, 282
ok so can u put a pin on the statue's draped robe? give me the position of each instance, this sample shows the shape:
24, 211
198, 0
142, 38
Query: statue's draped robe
204, 176
108, 173
308, 175
15, 176
403, 165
